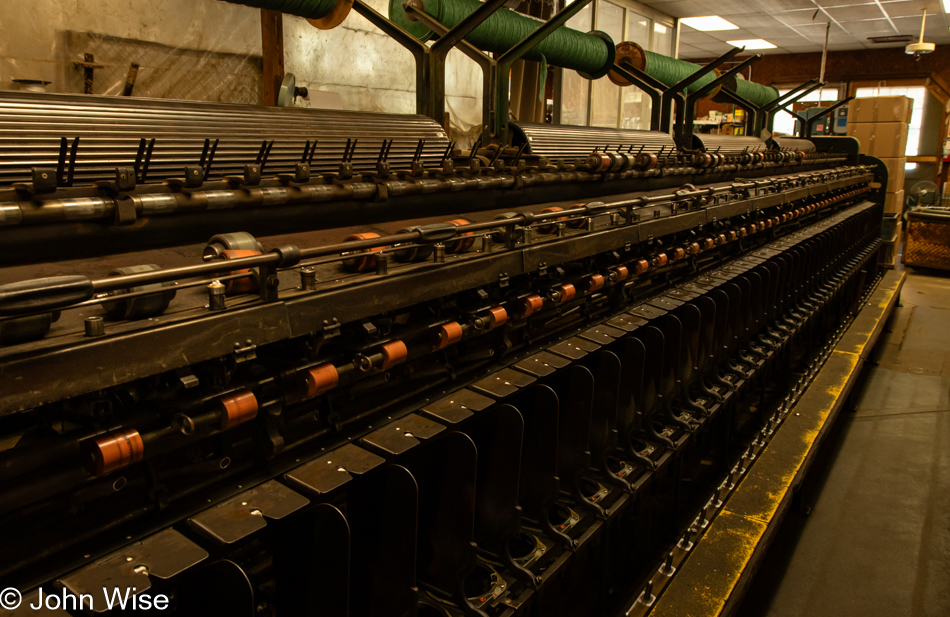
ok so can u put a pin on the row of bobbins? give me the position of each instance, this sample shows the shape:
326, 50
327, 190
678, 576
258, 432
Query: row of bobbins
324, 377
452, 332
565, 292
125, 446
369, 259
603, 162
366, 260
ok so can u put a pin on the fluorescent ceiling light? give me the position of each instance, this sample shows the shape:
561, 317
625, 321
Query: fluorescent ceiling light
662, 29
752, 44
712, 23
946, 6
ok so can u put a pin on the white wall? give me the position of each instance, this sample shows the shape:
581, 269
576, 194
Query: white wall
31, 32
370, 71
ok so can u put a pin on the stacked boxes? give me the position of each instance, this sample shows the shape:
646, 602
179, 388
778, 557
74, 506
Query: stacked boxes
881, 125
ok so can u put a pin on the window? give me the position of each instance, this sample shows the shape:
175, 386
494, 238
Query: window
785, 122
918, 93
600, 102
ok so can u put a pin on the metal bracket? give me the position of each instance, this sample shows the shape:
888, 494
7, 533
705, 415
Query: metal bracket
670, 94
684, 132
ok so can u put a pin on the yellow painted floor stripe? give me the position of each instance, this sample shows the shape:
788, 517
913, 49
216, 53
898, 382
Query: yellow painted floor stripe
707, 579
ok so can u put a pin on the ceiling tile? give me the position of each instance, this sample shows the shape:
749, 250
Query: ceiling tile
694, 37
755, 21
862, 28
836, 3
802, 49
911, 25
801, 18
777, 6
688, 51
913, 8
856, 13
696, 8
781, 38
815, 31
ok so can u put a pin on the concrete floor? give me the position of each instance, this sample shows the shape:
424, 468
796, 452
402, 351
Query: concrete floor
877, 540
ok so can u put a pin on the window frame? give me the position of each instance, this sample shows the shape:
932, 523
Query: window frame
653, 16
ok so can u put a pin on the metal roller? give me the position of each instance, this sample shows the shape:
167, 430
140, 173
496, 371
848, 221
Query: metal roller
561, 141
27, 328
783, 142
235, 240
111, 131
728, 144
139, 307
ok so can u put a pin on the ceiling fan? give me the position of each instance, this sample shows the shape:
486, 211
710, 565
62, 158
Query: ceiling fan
920, 48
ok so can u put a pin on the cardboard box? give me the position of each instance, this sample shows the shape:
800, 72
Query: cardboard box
881, 109
888, 255
895, 173
894, 202
891, 228
882, 139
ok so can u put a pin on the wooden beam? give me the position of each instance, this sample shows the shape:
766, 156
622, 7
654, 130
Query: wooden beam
272, 47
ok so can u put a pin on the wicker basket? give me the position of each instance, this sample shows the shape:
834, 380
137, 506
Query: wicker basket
928, 238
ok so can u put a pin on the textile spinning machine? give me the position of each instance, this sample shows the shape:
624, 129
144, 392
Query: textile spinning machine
267, 361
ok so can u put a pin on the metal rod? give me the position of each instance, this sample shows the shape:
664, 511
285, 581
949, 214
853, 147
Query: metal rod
501, 82
686, 129
671, 93
272, 259
650, 86
824, 53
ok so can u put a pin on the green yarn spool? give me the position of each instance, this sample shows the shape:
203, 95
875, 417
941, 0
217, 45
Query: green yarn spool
757, 94
565, 47
671, 71
311, 9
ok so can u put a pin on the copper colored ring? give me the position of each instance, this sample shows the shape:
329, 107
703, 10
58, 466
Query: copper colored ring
465, 241
394, 352
532, 304
642, 266
365, 259
550, 228
661, 260
647, 160
117, 449
567, 292
631, 52
237, 408
605, 162
244, 285
320, 379
499, 316
448, 334
694, 248
594, 282
676, 254
622, 273
577, 222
